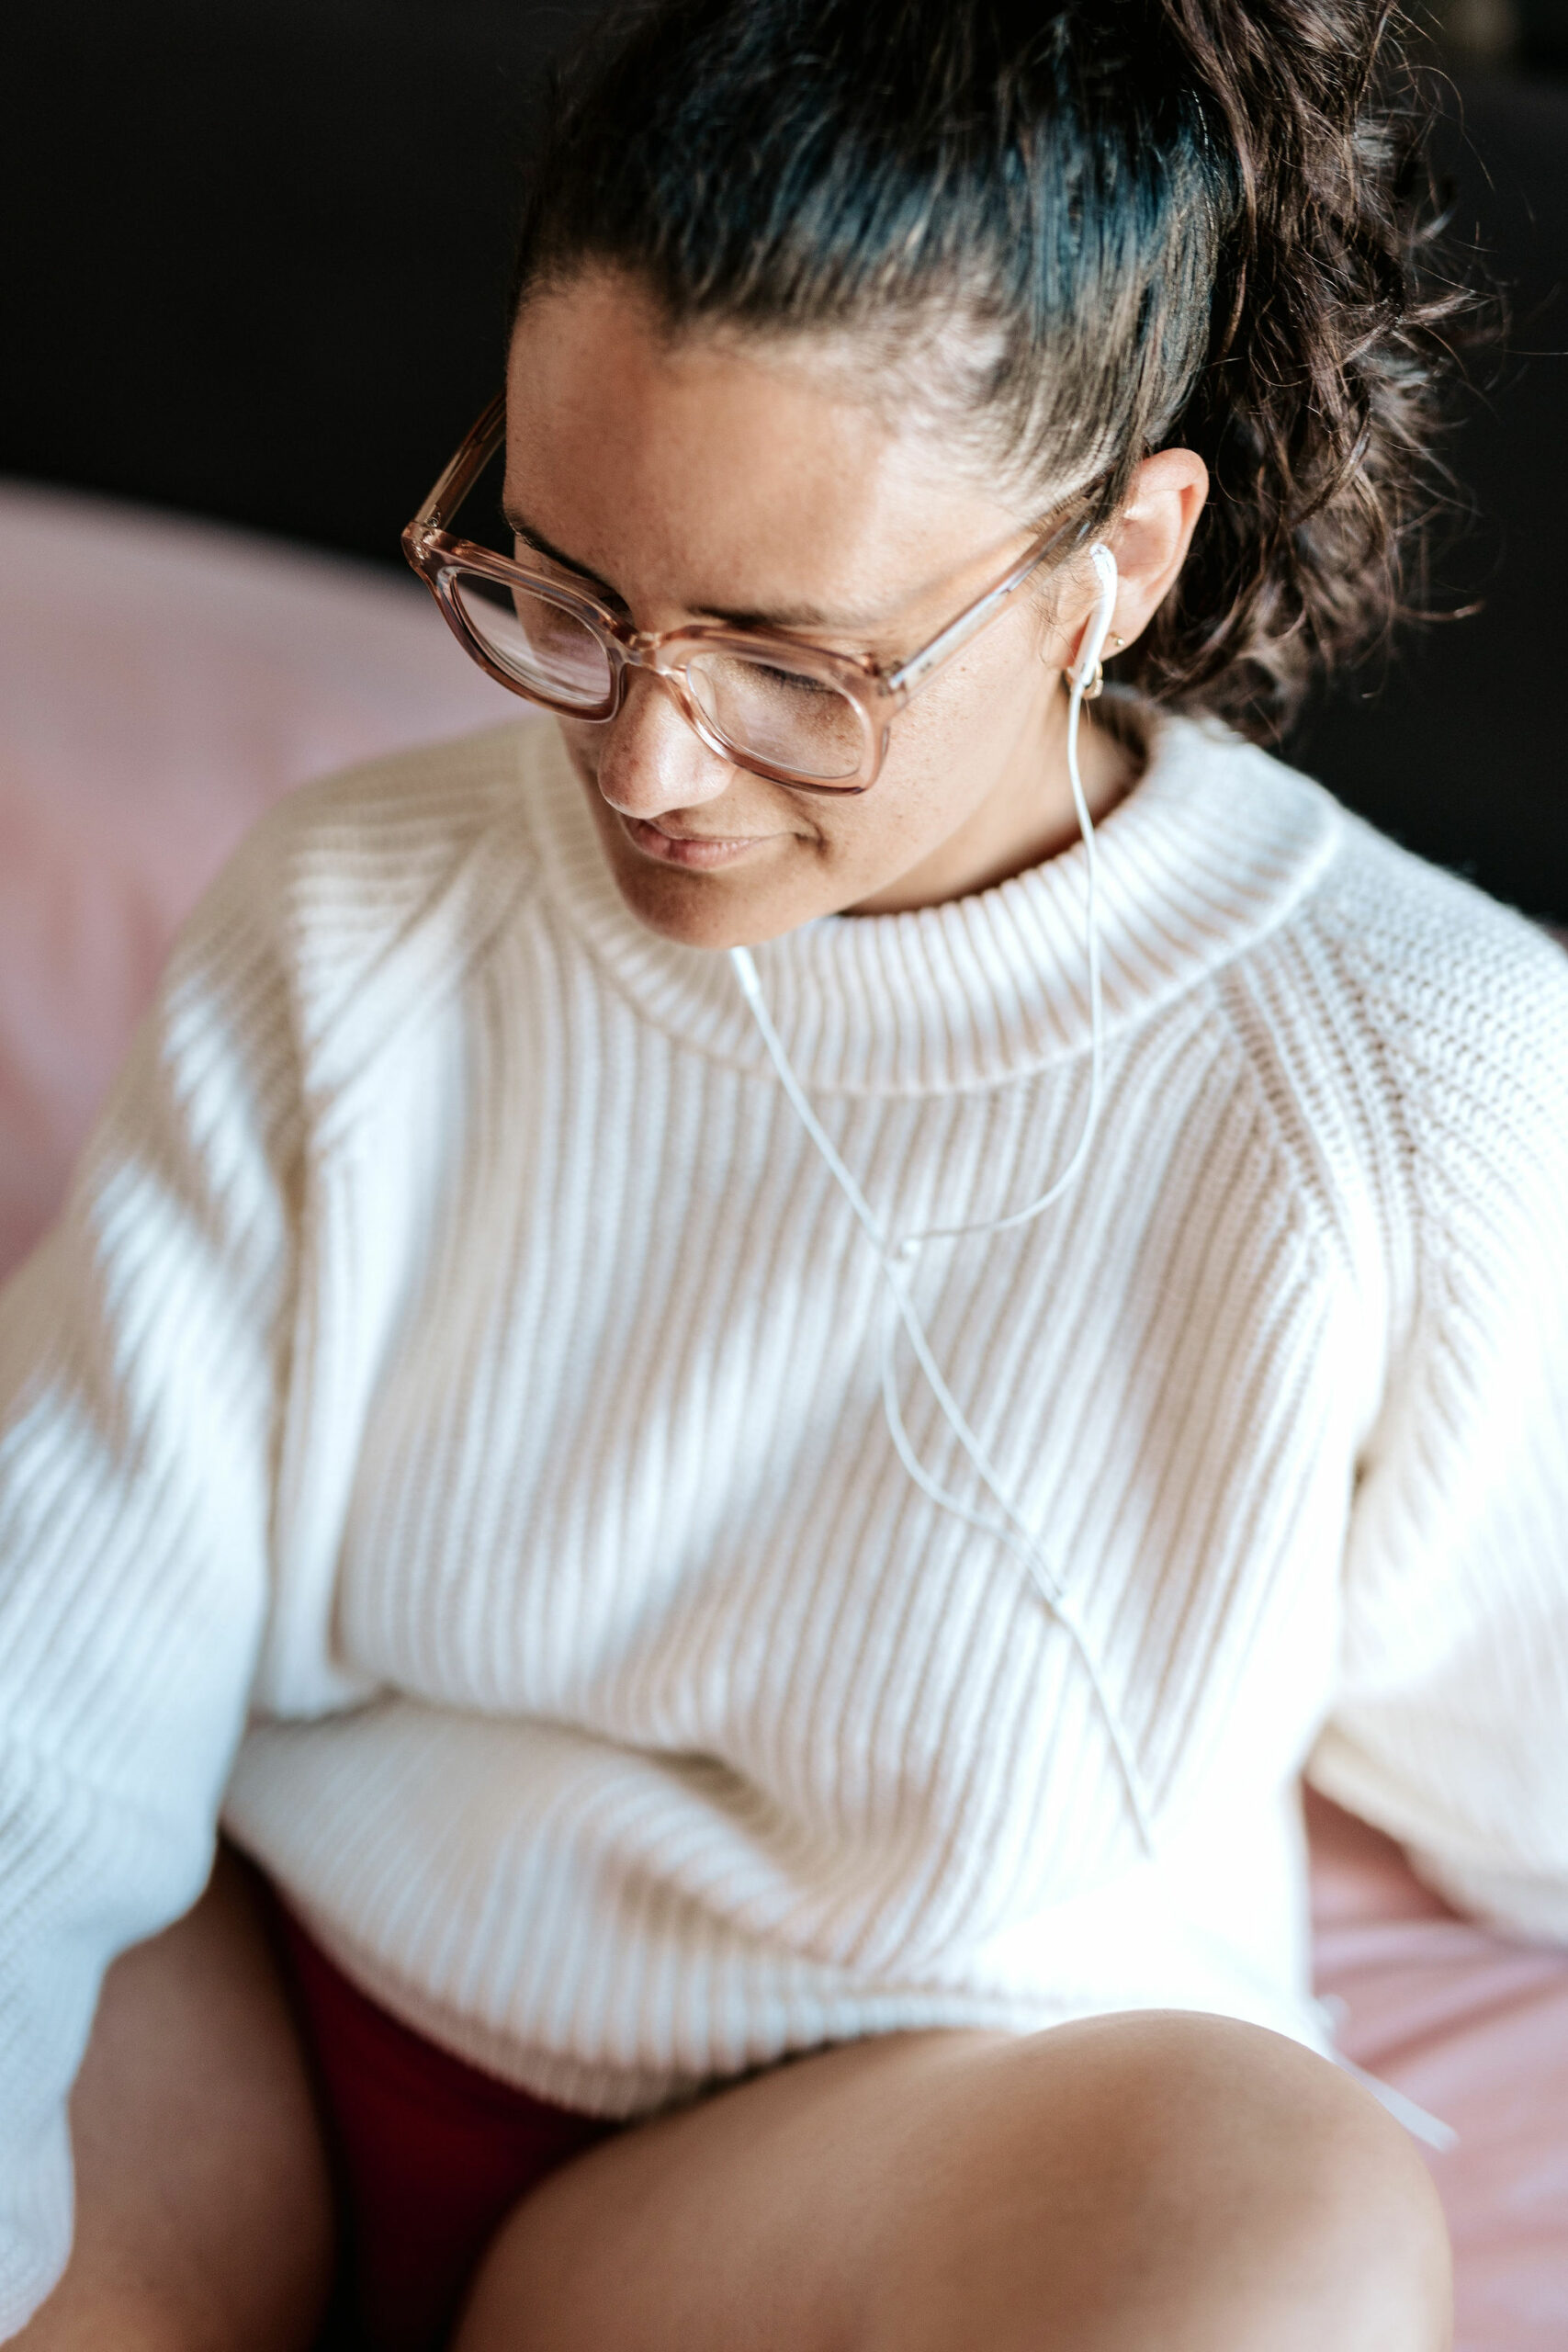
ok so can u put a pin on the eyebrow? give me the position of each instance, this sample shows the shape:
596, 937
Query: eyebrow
787, 617
541, 546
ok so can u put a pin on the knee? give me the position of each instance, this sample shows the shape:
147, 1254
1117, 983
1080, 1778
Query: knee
1307, 2216
1177, 2183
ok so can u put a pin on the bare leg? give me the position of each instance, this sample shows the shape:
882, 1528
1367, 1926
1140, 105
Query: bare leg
204, 2210
1156, 2182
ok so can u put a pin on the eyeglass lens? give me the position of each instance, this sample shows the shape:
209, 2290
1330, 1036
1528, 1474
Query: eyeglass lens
548, 650
790, 718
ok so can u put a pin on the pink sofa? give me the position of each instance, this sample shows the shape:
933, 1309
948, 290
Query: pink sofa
160, 683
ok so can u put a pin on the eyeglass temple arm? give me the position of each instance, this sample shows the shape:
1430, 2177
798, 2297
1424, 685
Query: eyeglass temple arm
474, 454
908, 680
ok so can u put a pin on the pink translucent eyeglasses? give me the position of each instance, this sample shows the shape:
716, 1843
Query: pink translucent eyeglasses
799, 714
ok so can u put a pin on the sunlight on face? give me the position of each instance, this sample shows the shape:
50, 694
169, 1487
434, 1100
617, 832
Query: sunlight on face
706, 478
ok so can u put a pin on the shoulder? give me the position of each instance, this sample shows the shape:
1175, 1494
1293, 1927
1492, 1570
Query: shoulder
1465, 1001
384, 882
1414, 1035
1375, 952
385, 839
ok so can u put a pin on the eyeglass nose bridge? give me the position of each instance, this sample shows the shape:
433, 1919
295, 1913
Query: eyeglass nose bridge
639, 649
630, 649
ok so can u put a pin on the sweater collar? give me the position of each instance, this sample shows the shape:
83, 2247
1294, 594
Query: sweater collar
1212, 846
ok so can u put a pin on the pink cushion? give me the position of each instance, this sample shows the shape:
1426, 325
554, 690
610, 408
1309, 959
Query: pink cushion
1475, 2030
161, 682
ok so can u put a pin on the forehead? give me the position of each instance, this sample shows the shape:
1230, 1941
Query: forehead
727, 473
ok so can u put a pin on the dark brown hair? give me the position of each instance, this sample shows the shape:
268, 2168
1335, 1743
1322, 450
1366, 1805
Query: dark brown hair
1195, 222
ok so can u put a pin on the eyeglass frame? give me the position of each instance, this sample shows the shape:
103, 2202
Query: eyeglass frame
878, 691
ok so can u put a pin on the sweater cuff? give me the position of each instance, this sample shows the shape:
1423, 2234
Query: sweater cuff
37, 2209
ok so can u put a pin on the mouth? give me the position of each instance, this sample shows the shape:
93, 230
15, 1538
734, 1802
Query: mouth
698, 852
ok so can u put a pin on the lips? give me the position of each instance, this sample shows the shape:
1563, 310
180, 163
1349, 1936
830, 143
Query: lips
698, 852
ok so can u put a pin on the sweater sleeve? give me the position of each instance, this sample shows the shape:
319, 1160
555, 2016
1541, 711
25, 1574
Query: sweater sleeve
143, 1351
1450, 1729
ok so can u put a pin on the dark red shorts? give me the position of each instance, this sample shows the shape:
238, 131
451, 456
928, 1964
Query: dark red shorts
431, 2154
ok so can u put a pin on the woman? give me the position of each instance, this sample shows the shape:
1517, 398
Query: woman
790, 1391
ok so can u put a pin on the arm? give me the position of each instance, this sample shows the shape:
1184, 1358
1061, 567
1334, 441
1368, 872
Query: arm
1452, 1726
143, 1357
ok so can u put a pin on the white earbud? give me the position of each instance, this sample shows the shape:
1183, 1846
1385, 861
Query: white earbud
1085, 670
897, 1254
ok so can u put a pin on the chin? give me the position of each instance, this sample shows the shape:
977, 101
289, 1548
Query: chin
712, 910
703, 909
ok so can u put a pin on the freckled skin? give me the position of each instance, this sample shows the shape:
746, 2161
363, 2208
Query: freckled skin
708, 474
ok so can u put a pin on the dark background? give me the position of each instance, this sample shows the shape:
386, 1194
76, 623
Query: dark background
254, 267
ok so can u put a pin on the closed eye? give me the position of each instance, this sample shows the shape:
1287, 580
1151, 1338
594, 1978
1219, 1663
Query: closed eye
798, 681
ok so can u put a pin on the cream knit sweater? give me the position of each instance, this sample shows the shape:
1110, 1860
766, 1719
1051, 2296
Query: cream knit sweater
444, 1433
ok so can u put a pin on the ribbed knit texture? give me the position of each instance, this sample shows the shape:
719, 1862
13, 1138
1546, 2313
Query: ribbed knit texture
456, 1358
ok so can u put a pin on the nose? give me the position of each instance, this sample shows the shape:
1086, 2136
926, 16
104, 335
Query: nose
650, 761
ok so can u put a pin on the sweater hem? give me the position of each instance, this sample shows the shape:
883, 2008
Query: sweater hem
621, 2093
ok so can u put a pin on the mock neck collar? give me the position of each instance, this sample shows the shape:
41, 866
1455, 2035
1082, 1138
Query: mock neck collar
1212, 847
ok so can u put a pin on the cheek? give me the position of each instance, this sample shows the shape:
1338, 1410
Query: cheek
946, 752
995, 681
584, 743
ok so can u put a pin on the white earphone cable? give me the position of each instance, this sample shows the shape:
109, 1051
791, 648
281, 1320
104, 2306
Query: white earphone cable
1093, 643
895, 1257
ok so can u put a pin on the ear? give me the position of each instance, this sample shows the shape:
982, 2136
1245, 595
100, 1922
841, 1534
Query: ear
1151, 539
